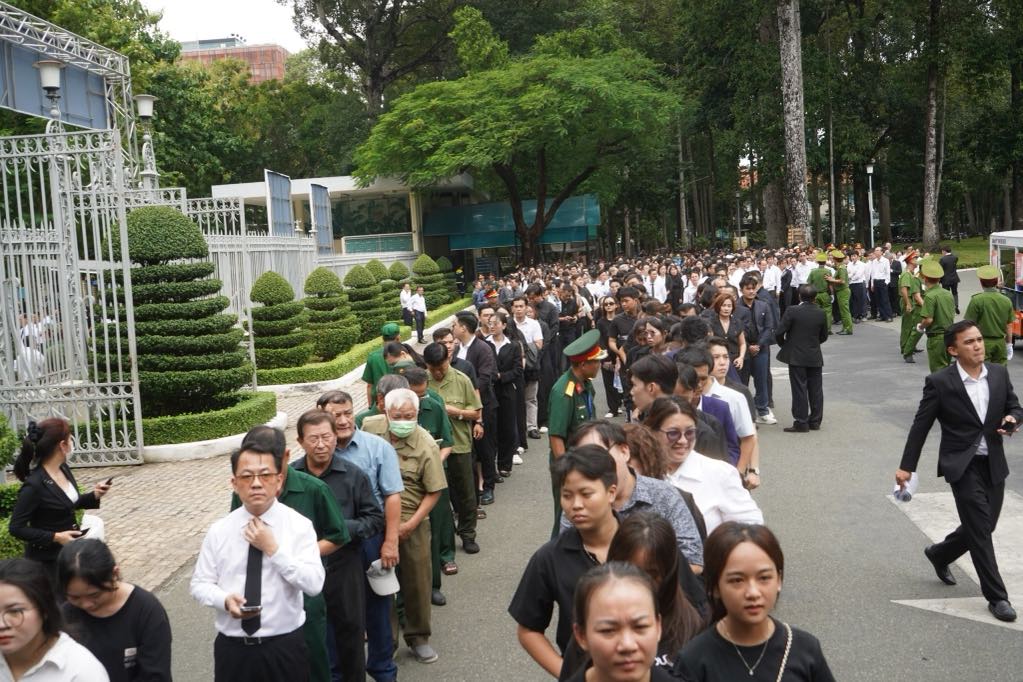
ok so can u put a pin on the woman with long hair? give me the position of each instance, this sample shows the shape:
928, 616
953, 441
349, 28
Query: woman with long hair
725, 325
124, 626
44, 514
604, 318
744, 573
715, 485
676, 284
509, 373
30, 631
657, 335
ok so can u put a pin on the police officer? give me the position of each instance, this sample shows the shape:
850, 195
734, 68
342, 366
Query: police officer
993, 314
840, 283
818, 277
912, 301
936, 315
572, 399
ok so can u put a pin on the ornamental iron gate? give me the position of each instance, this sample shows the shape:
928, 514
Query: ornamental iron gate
67, 336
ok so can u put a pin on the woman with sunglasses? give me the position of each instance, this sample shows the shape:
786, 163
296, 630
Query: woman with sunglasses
44, 515
32, 646
604, 323
715, 485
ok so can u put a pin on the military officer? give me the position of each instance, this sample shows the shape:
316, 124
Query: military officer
993, 314
840, 284
937, 313
818, 277
912, 302
571, 399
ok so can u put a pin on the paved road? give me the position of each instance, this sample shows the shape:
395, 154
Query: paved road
850, 552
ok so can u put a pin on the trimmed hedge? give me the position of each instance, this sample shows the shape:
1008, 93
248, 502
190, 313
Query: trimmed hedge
185, 311
175, 292
277, 330
364, 293
215, 324
377, 269
444, 265
398, 271
158, 234
172, 273
247, 409
8, 442
436, 288
330, 324
424, 265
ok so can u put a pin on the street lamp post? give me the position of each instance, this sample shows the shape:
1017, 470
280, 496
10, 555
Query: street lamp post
870, 200
49, 79
150, 177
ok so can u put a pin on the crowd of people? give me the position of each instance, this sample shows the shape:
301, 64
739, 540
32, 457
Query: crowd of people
658, 560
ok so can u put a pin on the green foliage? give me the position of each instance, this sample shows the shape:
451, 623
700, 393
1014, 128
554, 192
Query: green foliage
398, 271
444, 265
160, 233
331, 331
185, 311
215, 324
237, 414
8, 497
178, 272
388, 286
10, 546
424, 265
191, 383
271, 289
359, 278
323, 282
377, 269
175, 292
8, 442
280, 311
477, 47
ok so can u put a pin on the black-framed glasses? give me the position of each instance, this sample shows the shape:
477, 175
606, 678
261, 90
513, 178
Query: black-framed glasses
247, 479
675, 435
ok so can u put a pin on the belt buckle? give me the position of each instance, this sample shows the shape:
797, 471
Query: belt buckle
252, 641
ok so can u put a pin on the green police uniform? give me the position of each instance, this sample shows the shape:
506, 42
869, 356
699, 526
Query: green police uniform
842, 292
818, 278
313, 499
571, 401
909, 336
940, 307
376, 366
992, 312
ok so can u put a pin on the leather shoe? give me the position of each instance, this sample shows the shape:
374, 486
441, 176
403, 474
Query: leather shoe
470, 547
487, 497
449, 568
943, 572
504, 474
499, 479
797, 428
1002, 610
534, 434
815, 427
437, 598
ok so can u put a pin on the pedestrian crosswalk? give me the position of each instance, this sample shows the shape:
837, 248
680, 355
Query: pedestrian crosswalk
935, 515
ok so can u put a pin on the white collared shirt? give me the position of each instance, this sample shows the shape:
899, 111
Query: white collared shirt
293, 569
980, 395
736, 277
65, 661
405, 297
463, 348
880, 268
659, 291
530, 329
417, 303
772, 278
800, 273
717, 490
738, 407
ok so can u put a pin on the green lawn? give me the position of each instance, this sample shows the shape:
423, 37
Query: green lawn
972, 252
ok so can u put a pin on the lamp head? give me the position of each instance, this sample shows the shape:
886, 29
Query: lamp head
144, 106
49, 75
870, 169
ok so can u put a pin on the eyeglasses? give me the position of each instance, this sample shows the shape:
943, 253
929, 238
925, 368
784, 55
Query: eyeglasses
674, 435
316, 440
247, 479
14, 617
610, 305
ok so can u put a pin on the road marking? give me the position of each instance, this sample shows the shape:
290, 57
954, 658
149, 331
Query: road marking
935, 514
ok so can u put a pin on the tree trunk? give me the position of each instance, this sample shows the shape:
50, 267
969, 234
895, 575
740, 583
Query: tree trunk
790, 45
930, 209
884, 209
861, 206
971, 216
711, 183
1016, 109
815, 206
774, 214
627, 233
1007, 195
683, 218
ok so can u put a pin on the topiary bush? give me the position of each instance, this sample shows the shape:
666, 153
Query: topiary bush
190, 356
280, 340
8, 442
448, 270
377, 269
398, 271
427, 274
368, 305
333, 327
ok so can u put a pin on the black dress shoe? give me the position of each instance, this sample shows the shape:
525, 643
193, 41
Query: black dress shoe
498, 479
534, 434
470, 547
943, 572
437, 598
797, 428
504, 474
487, 497
815, 427
1002, 610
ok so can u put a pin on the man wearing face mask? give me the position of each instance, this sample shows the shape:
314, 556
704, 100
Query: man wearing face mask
423, 475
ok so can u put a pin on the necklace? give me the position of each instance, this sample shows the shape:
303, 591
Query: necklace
746, 665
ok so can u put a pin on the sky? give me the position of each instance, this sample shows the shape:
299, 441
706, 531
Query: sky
257, 21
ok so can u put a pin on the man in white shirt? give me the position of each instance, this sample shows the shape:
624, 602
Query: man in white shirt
857, 286
880, 274
418, 305
772, 277
749, 449
405, 297
253, 568
533, 336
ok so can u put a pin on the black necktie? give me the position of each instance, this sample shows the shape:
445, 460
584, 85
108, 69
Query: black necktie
253, 587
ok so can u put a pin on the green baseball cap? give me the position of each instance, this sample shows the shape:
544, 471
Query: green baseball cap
389, 330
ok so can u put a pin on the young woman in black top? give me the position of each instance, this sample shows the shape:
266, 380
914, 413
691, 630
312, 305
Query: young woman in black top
509, 372
123, 625
743, 567
605, 325
618, 623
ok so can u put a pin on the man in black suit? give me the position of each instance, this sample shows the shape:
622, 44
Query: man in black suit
480, 354
802, 330
976, 406
950, 280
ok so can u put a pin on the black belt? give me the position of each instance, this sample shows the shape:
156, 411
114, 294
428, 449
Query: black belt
941, 333
253, 641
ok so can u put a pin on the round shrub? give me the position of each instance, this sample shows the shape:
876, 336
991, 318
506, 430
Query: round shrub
377, 269
359, 277
435, 284
271, 289
398, 271
444, 265
158, 234
277, 333
425, 265
322, 282
281, 311
389, 285
327, 308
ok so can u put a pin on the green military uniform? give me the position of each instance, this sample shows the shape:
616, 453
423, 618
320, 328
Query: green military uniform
423, 474
456, 389
842, 292
992, 312
940, 307
818, 278
376, 366
313, 499
909, 336
571, 401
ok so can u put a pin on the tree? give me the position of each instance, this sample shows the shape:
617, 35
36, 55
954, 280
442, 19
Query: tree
278, 324
789, 40
548, 122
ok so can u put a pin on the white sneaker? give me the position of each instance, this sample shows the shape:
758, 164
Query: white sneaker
609, 415
543, 429
520, 449
516, 459
767, 419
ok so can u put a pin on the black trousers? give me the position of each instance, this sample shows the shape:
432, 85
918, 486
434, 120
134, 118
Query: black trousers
273, 660
954, 288
979, 503
420, 321
614, 398
879, 300
858, 300
345, 593
508, 411
807, 385
486, 447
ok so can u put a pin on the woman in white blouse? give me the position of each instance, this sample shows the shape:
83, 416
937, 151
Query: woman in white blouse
715, 485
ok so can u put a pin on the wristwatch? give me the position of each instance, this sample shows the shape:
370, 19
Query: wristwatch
752, 470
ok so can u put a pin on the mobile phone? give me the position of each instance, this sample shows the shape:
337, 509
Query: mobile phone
1010, 427
255, 608
83, 532
109, 481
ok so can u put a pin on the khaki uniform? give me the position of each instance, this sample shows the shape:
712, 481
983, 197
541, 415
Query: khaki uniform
456, 390
941, 308
992, 312
422, 473
817, 279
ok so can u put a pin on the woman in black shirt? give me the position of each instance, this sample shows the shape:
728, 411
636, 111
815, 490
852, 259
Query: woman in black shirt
743, 568
725, 325
604, 317
123, 625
